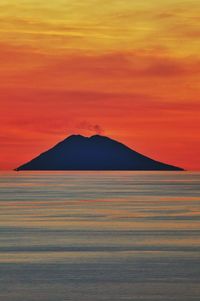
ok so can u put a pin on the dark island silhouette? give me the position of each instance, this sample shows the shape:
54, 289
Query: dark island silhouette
93, 153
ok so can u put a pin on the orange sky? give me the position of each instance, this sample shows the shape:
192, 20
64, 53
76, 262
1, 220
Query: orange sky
125, 69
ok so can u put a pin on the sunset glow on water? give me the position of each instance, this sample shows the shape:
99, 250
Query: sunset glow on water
99, 236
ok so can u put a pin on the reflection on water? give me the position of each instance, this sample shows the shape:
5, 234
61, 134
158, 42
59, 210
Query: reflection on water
94, 236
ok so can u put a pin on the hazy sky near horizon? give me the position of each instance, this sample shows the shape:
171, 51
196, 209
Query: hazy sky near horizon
125, 69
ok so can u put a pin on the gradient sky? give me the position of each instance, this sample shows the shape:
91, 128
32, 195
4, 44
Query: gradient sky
125, 69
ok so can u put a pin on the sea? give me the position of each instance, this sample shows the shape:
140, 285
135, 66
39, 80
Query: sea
99, 236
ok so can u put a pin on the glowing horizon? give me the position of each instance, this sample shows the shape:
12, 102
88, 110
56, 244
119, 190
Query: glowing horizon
126, 70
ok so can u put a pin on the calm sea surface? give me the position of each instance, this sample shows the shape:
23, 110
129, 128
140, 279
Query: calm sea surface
91, 236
